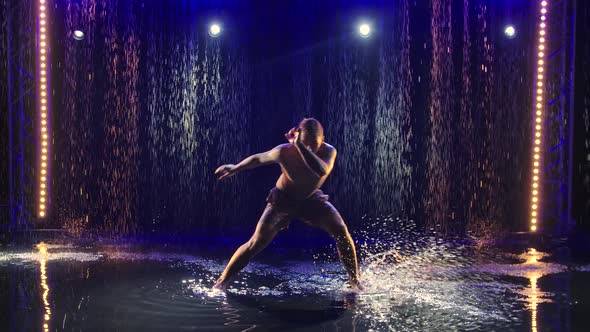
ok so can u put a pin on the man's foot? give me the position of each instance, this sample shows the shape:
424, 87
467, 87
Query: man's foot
355, 285
219, 286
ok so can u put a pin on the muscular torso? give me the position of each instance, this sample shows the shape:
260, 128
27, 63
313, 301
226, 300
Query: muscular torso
297, 179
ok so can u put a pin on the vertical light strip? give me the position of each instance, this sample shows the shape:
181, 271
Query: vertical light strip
43, 104
538, 122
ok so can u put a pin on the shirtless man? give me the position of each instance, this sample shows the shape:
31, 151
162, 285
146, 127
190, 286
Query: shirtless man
306, 161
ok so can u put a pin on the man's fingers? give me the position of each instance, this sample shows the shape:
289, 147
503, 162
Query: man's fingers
225, 175
220, 169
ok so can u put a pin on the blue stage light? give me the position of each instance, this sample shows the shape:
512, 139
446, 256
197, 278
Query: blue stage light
214, 29
78, 35
364, 30
510, 31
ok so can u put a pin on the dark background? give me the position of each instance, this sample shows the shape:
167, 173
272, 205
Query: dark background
430, 115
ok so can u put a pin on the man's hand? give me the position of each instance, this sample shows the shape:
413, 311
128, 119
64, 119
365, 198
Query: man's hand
226, 171
293, 135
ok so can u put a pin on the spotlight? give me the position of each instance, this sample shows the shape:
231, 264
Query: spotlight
510, 31
214, 30
364, 30
78, 35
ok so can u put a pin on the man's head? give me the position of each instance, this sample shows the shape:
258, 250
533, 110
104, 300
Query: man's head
312, 133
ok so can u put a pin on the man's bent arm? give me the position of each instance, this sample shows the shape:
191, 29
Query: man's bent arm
313, 162
260, 159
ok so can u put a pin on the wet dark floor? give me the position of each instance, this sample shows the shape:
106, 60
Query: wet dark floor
429, 286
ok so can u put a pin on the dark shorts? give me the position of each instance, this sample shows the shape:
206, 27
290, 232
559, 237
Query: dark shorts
310, 210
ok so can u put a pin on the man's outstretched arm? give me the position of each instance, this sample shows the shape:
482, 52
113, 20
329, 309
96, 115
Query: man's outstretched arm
269, 157
264, 158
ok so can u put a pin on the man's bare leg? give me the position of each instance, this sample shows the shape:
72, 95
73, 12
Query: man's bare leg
334, 225
263, 235
347, 253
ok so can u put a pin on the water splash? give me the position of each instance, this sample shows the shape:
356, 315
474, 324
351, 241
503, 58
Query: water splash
412, 281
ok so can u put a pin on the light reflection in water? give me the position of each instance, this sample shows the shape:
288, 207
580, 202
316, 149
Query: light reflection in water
533, 275
43, 261
432, 286
231, 314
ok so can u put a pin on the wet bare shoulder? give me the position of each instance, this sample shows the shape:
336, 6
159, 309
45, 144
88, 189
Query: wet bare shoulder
328, 149
285, 150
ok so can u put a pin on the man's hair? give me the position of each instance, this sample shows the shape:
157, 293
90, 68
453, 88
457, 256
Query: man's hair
311, 127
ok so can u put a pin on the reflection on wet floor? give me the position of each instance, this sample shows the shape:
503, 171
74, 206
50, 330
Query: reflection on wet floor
412, 286
43, 268
533, 269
